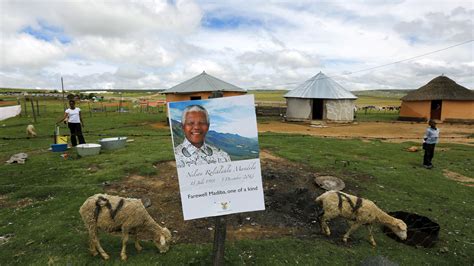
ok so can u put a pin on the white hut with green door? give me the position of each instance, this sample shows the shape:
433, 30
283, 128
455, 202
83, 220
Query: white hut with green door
320, 98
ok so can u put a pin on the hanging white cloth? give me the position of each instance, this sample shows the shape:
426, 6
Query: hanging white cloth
9, 111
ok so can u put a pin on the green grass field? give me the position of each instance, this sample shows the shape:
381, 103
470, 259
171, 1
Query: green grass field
377, 98
49, 230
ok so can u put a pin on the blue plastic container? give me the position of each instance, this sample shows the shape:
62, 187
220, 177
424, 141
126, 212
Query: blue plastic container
58, 147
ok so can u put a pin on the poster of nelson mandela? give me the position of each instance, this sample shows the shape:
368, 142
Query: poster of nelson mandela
215, 143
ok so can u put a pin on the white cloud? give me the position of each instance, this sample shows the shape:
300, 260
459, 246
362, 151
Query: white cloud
24, 51
259, 44
240, 126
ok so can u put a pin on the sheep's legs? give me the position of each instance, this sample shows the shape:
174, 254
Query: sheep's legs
324, 226
371, 236
353, 227
123, 253
327, 216
94, 244
92, 248
100, 249
137, 244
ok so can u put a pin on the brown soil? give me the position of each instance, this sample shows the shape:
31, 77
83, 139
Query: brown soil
289, 191
387, 131
5, 202
459, 178
5, 103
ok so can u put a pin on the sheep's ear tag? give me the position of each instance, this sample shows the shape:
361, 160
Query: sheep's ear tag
162, 240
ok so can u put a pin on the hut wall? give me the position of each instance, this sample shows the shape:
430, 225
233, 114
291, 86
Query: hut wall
298, 109
339, 110
418, 109
463, 110
175, 97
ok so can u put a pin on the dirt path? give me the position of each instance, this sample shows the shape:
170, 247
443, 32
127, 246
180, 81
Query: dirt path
387, 131
289, 188
394, 132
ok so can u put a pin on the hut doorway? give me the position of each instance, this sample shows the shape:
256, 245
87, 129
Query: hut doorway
436, 109
195, 98
317, 109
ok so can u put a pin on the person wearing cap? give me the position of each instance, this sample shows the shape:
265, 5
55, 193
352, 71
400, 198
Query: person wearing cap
194, 150
429, 142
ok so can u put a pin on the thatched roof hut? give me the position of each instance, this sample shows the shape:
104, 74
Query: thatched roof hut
441, 99
440, 88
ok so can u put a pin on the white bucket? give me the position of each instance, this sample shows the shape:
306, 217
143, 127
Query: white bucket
88, 149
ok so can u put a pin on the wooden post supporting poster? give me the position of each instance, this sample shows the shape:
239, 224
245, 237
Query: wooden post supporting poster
219, 240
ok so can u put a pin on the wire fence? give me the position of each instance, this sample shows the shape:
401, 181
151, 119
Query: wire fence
38, 106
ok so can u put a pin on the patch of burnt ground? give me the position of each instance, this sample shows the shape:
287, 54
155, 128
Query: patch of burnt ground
290, 210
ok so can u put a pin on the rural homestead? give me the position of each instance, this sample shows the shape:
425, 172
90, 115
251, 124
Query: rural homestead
198, 132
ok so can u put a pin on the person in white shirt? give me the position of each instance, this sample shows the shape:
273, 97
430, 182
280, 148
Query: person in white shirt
74, 121
429, 142
194, 150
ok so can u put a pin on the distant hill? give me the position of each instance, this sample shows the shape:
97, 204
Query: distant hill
238, 147
382, 93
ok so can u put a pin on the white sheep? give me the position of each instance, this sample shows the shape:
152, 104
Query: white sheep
357, 211
30, 131
126, 215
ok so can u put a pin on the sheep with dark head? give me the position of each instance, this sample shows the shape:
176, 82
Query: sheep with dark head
126, 215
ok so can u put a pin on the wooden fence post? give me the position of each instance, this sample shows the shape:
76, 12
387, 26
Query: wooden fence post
25, 106
90, 112
37, 107
33, 109
19, 103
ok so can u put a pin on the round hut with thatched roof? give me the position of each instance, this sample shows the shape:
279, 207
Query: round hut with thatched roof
200, 87
320, 98
440, 99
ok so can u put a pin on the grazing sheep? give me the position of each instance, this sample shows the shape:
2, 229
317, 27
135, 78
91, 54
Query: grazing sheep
116, 214
30, 131
357, 211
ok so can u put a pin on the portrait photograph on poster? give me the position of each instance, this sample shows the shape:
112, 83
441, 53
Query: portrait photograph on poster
215, 144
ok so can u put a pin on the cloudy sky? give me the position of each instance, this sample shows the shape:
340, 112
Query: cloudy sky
155, 44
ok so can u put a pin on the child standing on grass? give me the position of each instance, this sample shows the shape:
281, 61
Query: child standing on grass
74, 121
429, 141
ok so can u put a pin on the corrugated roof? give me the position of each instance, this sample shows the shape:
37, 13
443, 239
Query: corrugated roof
203, 82
320, 87
440, 88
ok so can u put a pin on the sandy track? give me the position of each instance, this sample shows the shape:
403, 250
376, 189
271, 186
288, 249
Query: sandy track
387, 131
396, 131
